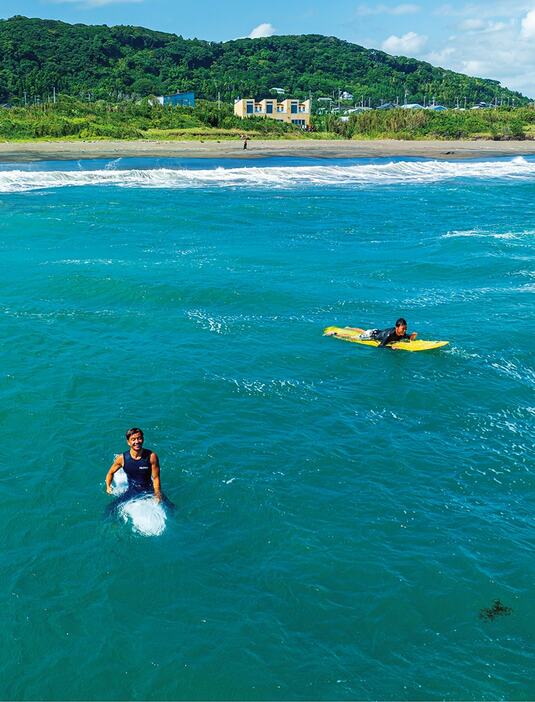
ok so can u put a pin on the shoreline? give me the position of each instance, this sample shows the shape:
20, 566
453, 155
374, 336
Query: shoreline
305, 148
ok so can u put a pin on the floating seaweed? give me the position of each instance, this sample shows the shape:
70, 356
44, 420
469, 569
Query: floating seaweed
497, 610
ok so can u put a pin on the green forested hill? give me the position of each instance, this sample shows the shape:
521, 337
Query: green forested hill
111, 63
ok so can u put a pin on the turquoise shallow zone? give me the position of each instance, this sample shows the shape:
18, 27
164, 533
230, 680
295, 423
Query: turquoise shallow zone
342, 514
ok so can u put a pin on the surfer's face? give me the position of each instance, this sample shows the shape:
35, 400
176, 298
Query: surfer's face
136, 441
400, 330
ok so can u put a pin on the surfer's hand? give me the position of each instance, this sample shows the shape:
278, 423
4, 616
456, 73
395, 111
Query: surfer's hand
109, 490
158, 498
414, 335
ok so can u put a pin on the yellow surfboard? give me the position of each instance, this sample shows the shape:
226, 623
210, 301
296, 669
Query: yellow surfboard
353, 335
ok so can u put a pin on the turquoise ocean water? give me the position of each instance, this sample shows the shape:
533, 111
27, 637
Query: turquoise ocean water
342, 514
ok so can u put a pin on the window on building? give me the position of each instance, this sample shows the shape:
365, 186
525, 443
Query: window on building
294, 108
250, 108
269, 108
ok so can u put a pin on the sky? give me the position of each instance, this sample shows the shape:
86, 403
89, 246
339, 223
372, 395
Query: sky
492, 39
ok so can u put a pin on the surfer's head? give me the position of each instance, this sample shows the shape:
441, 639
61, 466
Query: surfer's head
134, 438
401, 326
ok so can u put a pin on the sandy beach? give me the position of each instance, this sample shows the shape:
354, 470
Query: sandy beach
67, 150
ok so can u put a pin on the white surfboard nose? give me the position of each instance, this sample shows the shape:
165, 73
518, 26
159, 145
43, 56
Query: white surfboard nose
119, 482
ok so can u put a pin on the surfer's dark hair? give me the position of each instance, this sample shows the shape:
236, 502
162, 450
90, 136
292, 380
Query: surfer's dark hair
134, 430
401, 321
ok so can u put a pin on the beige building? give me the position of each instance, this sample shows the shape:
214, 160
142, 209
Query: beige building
290, 111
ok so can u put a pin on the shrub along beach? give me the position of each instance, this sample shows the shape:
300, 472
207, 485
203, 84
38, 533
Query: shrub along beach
72, 128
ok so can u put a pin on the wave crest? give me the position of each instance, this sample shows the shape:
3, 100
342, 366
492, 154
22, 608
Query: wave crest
390, 173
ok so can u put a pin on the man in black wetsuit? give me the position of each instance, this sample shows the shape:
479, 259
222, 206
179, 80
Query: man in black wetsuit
141, 466
390, 335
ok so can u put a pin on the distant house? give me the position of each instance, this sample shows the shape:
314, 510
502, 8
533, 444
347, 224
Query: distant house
277, 91
412, 106
289, 110
386, 106
179, 99
354, 111
436, 108
346, 96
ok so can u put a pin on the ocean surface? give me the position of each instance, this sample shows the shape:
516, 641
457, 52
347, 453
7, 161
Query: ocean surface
343, 516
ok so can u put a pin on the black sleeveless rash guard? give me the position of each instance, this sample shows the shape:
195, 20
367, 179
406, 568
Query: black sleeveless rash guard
138, 472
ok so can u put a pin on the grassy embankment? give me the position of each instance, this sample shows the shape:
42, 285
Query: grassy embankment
70, 119
498, 124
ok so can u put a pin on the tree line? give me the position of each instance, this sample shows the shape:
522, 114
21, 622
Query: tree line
39, 57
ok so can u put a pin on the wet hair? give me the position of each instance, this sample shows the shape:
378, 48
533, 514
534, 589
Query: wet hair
134, 430
400, 322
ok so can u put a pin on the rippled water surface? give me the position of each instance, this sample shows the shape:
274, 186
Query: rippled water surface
342, 514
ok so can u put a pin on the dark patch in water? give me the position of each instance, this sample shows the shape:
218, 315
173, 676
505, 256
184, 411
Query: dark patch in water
497, 610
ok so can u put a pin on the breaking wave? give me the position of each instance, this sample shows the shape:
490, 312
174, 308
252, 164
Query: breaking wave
390, 173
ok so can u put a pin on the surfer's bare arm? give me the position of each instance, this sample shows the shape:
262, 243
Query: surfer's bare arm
116, 465
155, 465
413, 336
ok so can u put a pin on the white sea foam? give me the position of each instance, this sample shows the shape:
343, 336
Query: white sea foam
206, 321
145, 514
482, 234
389, 173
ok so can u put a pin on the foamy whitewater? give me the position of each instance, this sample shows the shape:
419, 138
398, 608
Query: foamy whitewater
143, 513
349, 523
388, 173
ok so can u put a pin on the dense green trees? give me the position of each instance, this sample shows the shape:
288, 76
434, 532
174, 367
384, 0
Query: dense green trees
111, 63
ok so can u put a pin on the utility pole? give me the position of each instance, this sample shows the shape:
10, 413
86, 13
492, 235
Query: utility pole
54, 94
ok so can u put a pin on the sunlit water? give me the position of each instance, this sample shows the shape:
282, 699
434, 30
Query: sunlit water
342, 514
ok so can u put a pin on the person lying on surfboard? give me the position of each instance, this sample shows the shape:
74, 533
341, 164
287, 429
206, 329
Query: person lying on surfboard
387, 336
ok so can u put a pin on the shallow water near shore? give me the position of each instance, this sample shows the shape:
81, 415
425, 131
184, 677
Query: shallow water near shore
342, 514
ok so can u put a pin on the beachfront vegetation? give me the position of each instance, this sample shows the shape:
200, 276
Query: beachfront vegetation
70, 118
38, 57
497, 123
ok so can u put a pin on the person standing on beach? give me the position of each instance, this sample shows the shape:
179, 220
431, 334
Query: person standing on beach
141, 466
245, 139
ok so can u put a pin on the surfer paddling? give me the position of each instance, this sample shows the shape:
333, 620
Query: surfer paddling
141, 466
384, 336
